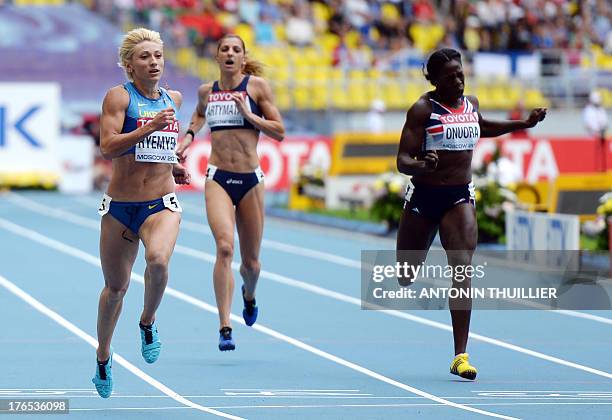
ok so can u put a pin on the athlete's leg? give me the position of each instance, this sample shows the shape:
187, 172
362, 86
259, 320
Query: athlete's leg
250, 221
459, 233
117, 256
221, 219
414, 237
158, 234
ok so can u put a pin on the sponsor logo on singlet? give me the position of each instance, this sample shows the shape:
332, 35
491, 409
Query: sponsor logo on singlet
222, 111
457, 131
158, 146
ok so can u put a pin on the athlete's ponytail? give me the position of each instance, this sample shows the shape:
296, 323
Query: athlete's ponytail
253, 67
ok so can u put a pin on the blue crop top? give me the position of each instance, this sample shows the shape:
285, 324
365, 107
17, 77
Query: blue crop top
159, 146
222, 112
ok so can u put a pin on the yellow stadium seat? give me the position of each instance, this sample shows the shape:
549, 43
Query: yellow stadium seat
320, 11
185, 58
329, 41
245, 31
606, 97
352, 38
534, 98
499, 100
319, 98
275, 56
392, 94
412, 93
484, 97
426, 37
256, 52
301, 97
513, 93
279, 31
311, 56
339, 97
389, 12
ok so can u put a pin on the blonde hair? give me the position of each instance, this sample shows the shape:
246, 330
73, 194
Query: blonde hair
251, 66
131, 39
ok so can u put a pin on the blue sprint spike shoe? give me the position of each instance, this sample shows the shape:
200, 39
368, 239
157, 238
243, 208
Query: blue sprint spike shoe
103, 379
250, 311
151, 346
226, 342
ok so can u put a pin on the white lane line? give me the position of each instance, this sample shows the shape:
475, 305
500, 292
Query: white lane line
40, 307
266, 243
415, 405
289, 390
312, 397
90, 223
64, 248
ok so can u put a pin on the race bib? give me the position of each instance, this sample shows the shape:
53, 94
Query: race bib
171, 202
222, 111
454, 132
104, 205
159, 146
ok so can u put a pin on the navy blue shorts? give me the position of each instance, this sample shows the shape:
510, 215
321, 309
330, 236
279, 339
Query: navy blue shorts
235, 184
133, 214
432, 201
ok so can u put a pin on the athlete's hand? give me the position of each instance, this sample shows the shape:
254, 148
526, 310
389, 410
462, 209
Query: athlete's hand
535, 116
431, 160
162, 119
181, 149
240, 103
180, 174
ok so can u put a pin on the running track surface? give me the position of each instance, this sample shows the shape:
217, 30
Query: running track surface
313, 354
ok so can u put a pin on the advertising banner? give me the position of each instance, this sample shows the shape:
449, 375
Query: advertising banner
280, 161
29, 128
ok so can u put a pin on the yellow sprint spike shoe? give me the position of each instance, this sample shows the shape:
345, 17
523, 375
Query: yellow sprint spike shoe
461, 367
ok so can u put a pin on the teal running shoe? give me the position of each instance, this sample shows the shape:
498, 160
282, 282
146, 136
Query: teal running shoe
226, 342
103, 379
250, 311
151, 346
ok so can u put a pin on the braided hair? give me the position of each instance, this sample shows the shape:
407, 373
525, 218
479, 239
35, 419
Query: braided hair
436, 61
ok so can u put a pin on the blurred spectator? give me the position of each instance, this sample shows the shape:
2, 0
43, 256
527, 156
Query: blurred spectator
473, 25
358, 14
595, 116
423, 10
596, 122
249, 11
205, 25
518, 113
376, 121
299, 28
264, 29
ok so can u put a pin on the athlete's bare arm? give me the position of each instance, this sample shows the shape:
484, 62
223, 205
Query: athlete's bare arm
490, 128
198, 119
177, 97
112, 142
272, 123
411, 141
180, 174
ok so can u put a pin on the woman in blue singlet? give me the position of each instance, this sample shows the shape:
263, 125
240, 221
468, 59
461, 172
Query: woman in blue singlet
237, 108
139, 132
440, 133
